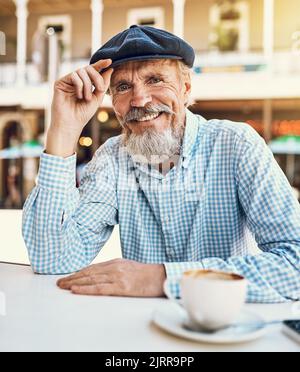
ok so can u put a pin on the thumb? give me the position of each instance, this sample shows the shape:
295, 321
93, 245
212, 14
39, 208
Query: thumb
102, 64
107, 77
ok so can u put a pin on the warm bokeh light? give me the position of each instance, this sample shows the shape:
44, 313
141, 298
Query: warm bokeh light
103, 116
279, 128
85, 141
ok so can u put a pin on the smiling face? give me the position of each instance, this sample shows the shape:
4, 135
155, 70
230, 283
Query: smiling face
149, 99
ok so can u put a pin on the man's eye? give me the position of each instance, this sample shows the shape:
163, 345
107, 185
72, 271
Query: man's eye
122, 87
155, 80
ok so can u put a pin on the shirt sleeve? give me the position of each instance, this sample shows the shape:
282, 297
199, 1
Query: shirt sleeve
65, 227
273, 216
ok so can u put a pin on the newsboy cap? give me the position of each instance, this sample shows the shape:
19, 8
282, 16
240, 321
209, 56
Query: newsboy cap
140, 43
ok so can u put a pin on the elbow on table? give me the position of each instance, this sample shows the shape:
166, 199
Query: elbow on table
43, 268
46, 270
61, 265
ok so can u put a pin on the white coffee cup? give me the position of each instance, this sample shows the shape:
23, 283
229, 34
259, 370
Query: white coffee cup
212, 299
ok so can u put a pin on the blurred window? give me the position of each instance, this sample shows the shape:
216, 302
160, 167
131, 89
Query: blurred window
154, 17
2, 44
229, 20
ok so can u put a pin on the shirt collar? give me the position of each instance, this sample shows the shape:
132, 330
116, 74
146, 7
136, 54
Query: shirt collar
190, 136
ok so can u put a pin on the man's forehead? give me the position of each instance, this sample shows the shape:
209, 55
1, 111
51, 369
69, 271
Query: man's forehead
146, 67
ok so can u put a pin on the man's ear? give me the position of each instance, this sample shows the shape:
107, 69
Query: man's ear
187, 91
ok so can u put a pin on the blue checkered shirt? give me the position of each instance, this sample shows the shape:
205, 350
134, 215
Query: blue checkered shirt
226, 197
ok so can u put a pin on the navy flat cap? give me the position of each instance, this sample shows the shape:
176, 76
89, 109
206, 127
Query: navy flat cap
140, 43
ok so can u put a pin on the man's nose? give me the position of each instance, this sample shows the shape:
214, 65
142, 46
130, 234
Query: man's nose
140, 97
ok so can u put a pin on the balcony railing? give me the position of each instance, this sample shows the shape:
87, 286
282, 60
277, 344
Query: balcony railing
8, 72
284, 63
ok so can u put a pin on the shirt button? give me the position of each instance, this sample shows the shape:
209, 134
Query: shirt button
167, 219
170, 252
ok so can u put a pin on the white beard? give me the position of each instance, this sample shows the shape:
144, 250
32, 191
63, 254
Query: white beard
152, 147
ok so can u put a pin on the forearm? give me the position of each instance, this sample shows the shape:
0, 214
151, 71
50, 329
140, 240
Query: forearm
57, 241
46, 210
272, 276
64, 227
59, 143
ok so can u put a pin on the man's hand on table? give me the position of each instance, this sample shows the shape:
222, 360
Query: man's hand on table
117, 278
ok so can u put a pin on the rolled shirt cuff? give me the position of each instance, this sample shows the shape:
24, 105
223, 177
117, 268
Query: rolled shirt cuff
57, 173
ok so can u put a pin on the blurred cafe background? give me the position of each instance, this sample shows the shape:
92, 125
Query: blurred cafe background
247, 69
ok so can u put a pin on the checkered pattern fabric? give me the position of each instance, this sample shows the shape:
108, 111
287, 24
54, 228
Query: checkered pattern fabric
226, 197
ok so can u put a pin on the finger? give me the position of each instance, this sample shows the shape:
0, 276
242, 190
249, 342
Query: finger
78, 84
63, 281
95, 290
102, 64
87, 84
101, 268
80, 274
96, 79
86, 281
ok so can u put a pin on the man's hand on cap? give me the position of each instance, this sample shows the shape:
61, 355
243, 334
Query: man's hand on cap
88, 77
77, 98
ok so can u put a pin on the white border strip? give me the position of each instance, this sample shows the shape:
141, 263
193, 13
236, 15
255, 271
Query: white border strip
2, 304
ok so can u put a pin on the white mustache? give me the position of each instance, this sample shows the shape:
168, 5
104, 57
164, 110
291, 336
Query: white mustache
138, 113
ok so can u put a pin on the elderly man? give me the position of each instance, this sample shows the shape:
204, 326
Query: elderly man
186, 192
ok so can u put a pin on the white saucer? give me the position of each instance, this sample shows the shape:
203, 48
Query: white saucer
172, 319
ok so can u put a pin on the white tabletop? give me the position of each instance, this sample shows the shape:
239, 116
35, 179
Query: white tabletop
41, 317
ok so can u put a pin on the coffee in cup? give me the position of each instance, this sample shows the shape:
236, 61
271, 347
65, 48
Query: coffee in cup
212, 299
